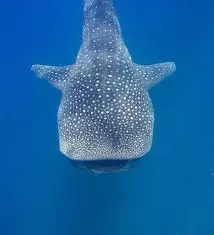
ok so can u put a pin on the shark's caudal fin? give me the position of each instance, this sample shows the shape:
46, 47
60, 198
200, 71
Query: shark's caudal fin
153, 74
57, 76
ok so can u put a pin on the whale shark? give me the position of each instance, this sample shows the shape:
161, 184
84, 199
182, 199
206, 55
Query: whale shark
105, 117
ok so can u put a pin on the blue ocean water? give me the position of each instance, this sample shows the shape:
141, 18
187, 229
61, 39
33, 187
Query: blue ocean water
171, 190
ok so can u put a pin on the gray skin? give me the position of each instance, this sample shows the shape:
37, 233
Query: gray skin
105, 111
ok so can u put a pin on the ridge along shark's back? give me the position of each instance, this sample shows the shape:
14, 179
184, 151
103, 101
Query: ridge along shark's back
105, 117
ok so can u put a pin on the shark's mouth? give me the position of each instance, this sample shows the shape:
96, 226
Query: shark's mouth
105, 166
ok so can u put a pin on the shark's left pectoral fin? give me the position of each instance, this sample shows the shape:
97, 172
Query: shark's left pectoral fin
57, 76
153, 74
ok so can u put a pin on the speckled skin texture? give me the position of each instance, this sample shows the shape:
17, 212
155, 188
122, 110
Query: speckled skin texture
105, 110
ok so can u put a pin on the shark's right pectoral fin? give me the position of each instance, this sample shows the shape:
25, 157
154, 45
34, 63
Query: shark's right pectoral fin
155, 73
57, 76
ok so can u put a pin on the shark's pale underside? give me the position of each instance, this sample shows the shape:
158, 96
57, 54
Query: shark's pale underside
105, 110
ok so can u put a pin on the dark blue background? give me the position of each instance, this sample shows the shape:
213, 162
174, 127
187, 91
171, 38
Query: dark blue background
171, 191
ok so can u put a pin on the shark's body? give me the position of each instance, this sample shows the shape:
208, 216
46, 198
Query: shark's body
105, 111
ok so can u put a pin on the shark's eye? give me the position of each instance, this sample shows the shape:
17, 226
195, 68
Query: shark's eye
105, 166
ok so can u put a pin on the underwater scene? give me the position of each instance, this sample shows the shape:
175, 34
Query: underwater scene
106, 122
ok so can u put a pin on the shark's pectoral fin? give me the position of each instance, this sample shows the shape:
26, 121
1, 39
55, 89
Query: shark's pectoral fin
57, 76
153, 74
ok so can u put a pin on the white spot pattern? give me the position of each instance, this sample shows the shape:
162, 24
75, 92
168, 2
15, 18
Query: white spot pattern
105, 111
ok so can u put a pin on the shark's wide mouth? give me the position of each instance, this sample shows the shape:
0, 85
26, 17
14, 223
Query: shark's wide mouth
104, 166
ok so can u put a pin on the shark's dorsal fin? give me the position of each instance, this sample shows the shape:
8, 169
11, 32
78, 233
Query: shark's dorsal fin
155, 73
57, 76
